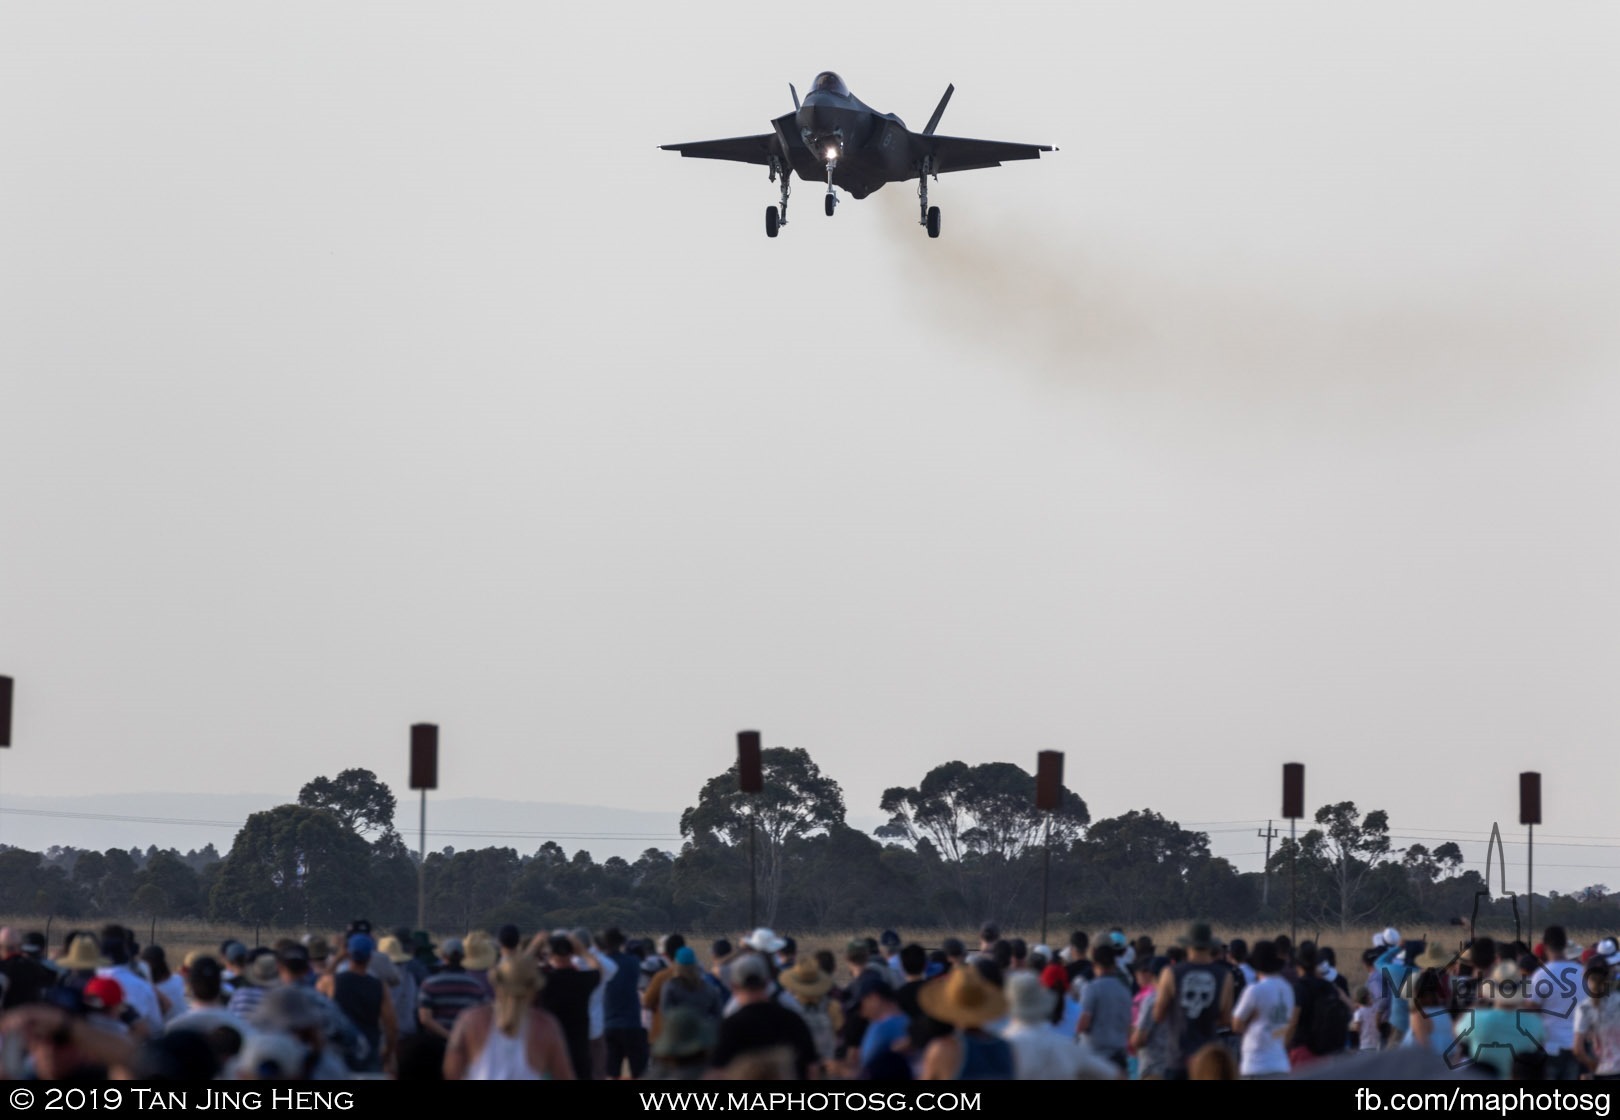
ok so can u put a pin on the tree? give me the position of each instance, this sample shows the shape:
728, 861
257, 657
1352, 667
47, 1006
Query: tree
106, 880
293, 866
462, 889
797, 801
987, 809
358, 798
392, 875
29, 886
982, 821
167, 887
1350, 848
1138, 867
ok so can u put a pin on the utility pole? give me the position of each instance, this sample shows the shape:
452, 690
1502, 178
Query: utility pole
1268, 836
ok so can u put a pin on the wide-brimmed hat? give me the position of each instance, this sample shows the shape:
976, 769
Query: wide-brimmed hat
288, 1008
685, 1034
319, 950
480, 950
393, 950
189, 961
764, 940
83, 954
806, 981
1029, 1000
1435, 956
1199, 936
962, 998
262, 971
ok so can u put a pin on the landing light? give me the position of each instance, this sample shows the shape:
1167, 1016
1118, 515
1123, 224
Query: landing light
832, 152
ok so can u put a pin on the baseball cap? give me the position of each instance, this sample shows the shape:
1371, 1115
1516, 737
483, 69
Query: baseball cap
103, 993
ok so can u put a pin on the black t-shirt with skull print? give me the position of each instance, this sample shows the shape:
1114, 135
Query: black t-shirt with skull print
1195, 1009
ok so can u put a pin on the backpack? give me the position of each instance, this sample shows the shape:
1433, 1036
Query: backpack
1330, 1021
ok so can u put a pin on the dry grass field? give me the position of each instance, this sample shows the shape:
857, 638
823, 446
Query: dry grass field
181, 937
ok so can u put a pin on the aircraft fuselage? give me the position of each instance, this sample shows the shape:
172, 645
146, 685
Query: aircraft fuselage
865, 148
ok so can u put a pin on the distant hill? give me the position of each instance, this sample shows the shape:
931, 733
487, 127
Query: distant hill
193, 820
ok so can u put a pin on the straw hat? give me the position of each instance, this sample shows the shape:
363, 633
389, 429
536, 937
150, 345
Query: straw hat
196, 955
480, 952
806, 981
83, 955
1435, 956
393, 950
962, 998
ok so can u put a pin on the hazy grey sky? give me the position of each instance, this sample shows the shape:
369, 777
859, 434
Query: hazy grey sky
366, 364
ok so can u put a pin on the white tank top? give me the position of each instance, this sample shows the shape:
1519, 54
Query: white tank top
504, 1058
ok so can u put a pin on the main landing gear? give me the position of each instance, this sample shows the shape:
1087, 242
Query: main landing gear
774, 220
930, 214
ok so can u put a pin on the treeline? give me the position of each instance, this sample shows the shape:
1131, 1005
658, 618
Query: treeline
965, 844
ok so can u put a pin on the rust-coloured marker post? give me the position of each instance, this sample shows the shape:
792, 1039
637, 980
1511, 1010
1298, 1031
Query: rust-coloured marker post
1293, 809
750, 779
424, 776
1048, 796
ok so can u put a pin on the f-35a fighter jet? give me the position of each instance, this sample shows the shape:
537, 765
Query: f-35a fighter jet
832, 134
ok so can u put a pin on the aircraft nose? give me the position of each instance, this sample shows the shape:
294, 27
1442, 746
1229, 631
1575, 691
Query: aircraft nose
820, 130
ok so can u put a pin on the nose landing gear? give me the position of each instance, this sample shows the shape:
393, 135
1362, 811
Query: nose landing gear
832, 199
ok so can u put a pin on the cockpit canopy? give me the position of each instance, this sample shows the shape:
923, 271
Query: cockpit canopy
830, 82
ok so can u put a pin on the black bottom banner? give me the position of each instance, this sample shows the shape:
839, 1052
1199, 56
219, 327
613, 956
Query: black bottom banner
1479, 1097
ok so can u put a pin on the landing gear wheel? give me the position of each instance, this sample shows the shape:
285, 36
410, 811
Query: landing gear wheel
772, 220
933, 221
831, 202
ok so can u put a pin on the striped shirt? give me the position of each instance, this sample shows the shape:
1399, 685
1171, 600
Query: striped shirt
245, 1001
448, 993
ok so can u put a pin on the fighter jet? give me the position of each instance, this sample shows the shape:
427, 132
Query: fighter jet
833, 134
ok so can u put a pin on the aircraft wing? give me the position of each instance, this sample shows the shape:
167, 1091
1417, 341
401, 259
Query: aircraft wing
738, 149
784, 144
953, 153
